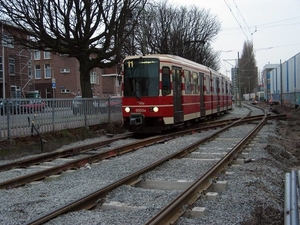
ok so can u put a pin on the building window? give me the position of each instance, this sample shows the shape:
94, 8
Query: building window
11, 65
37, 55
38, 72
65, 91
49, 93
8, 41
29, 70
47, 71
46, 55
94, 78
1, 68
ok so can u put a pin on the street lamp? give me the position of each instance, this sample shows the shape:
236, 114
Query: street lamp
249, 86
234, 76
253, 33
119, 77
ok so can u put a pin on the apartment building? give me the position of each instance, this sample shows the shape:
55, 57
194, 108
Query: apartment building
24, 71
111, 81
58, 76
15, 64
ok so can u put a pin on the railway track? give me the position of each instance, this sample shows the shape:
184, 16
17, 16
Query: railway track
92, 200
45, 165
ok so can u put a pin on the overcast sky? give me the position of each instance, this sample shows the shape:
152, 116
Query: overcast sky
272, 25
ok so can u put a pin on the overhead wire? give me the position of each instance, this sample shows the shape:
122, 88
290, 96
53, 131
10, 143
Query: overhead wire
241, 15
236, 19
268, 25
279, 21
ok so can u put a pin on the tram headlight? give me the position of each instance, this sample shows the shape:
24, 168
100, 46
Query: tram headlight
155, 109
127, 109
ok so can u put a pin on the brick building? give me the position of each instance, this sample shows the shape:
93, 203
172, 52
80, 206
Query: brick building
47, 66
111, 84
58, 76
24, 71
15, 64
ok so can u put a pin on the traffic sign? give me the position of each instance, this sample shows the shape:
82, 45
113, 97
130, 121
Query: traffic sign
53, 83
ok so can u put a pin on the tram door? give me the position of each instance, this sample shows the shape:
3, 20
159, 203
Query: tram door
177, 93
202, 105
218, 93
226, 95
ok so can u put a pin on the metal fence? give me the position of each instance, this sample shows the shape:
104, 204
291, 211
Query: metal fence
287, 98
23, 117
291, 198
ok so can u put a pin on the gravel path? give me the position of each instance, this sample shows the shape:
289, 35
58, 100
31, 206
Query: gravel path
260, 188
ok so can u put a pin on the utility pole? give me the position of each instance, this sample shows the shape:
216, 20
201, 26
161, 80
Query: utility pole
3, 64
239, 77
144, 29
249, 87
281, 86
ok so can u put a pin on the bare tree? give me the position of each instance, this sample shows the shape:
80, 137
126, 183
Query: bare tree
248, 68
187, 32
92, 31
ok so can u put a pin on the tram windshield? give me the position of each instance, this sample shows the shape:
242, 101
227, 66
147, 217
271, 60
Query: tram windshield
141, 77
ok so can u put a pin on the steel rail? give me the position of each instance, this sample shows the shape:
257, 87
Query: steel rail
171, 213
59, 154
93, 199
81, 149
19, 181
79, 162
75, 150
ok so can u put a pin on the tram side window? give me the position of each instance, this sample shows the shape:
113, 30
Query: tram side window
166, 82
207, 82
187, 82
196, 82
215, 86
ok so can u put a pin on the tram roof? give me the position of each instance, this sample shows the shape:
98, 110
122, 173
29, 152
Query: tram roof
175, 59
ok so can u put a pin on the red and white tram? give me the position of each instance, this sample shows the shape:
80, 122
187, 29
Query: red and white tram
160, 92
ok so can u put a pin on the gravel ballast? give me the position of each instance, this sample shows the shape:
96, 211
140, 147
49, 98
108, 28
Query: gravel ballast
253, 187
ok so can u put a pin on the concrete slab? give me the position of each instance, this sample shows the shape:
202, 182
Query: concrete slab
121, 206
52, 177
218, 187
243, 155
196, 212
247, 149
68, 171
238, 161
209, 195
229, 173
48, 163
64, 159
40, 167
164, 185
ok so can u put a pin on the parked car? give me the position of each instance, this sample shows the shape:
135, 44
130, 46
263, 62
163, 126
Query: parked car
115, 104
33, 105
89, 106
76, 105
12, 106
99, 105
